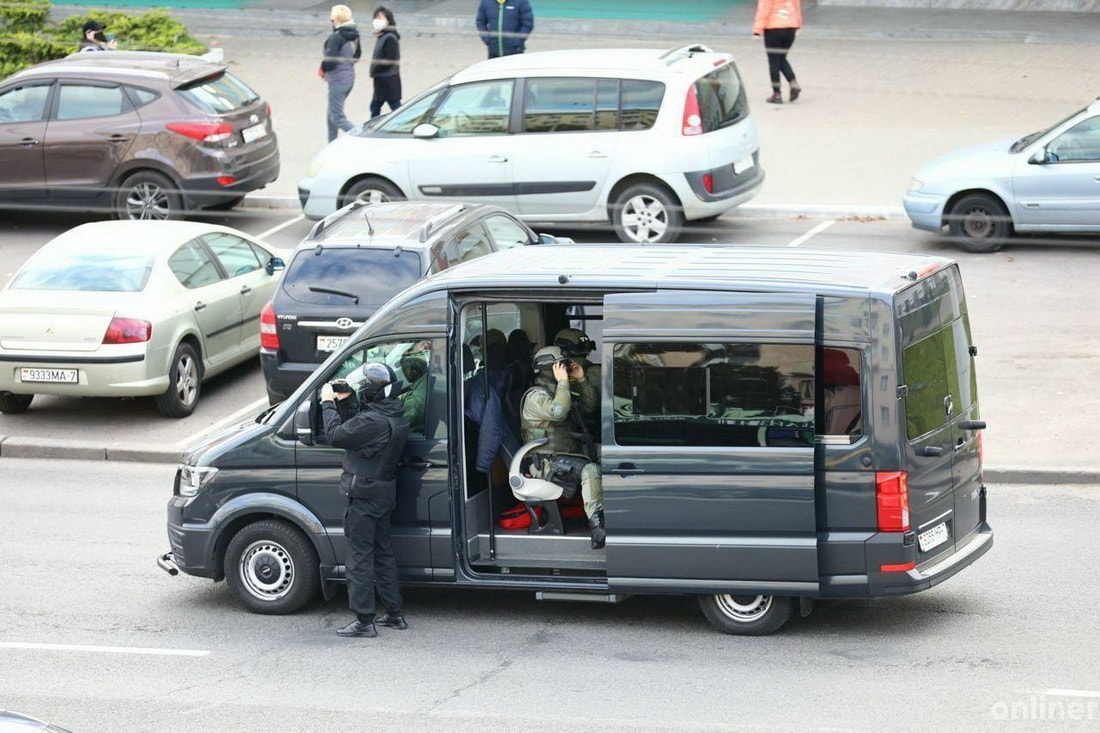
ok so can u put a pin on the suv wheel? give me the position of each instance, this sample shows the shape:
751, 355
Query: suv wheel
373, 190
646, 212
747, 615
14, 404
184, 384
147, 195
979, 223
272, 568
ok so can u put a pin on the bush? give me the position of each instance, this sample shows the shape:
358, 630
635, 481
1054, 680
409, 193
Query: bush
152, 31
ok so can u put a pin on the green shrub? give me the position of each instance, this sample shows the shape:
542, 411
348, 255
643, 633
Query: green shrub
23, 16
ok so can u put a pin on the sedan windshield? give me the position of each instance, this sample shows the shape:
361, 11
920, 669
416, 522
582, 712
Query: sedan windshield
1029, 139
107, 270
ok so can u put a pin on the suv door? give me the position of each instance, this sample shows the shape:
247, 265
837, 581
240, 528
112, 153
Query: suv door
22, 140
89, 134
708, 454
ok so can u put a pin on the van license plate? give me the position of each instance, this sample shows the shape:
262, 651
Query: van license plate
740, 166
254, 133
55, 376
934, 537
330, 343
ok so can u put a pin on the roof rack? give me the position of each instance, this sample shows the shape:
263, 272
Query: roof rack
431, 224
338, 214
673, 55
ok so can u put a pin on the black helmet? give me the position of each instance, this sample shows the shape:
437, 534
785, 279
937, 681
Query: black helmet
574, 342
372, 381
546, 358
414, 365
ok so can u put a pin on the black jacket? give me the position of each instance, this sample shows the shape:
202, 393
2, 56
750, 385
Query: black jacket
335, 43
386, 59
373, 438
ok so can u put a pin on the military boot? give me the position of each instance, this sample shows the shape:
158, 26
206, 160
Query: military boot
599, 536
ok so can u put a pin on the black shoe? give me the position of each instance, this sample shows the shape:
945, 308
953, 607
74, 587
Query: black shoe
599, 535
392, 620
775, 98
359, 629
795, 91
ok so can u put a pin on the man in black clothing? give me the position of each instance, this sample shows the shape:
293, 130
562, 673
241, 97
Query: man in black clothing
373, 437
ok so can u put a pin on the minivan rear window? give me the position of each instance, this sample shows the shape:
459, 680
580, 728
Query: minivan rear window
350, 276
722, 100
219, 94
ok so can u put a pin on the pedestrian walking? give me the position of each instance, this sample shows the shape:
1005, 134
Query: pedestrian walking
779, 21
385, 62
373, 437
341, 51
504, 25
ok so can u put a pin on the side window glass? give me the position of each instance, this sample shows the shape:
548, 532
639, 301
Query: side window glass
1079, 143
470, 244
25, 104
193, 267
235, 254
707, 394
607, 104
924, 374
641, 101
559, 105
141, 97
75, 102
406, 118
475, 109
506, 232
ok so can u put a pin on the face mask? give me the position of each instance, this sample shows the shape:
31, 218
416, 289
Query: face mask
379, 24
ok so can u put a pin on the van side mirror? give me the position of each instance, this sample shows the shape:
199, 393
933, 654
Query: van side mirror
1039, 157
275, 264
425, 131
303, 422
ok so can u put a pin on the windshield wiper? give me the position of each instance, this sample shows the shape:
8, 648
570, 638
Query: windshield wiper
266, 414
330, 291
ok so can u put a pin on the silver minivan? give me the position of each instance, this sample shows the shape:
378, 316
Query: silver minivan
643, 139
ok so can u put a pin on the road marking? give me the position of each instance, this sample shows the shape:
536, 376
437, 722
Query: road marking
1071, 693
249, 410
281, 227
813, 232
105, 649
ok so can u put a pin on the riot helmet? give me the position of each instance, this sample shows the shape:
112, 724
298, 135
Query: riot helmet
574, 343
372, 381
414, 365
545, 359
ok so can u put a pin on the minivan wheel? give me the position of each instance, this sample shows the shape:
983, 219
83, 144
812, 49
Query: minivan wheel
14, 404
272, 568
147, 195
646, 212
184, 384
747, 615
979, 223
372, 189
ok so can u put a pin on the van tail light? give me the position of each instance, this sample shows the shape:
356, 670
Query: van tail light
693, 122
892, 501
207, 132
269, 336
128, 331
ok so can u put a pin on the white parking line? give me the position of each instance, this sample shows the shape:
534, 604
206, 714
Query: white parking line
249, 410
104, 649
812, 233
281, 227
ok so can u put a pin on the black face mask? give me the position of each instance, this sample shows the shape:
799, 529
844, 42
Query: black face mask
100, 36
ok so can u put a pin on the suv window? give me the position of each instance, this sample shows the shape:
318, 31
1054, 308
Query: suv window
342, 275
140, 97
24, 104
236, 255
475, 109
407, 117
79, 102
219, 94
641, 101
559, 105
506, 232
722, 99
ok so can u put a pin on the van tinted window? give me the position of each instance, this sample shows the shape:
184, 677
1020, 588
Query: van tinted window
722, 99
349, 276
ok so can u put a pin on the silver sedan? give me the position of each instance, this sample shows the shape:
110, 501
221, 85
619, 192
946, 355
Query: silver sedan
132, 309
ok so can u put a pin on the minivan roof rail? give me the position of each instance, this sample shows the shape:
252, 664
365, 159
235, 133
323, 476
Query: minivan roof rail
338, 214
430, 225
673, 55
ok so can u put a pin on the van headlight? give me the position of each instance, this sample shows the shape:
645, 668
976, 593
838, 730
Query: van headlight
916, 184
193, 478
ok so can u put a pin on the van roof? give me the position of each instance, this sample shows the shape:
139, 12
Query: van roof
642, 63
693, 266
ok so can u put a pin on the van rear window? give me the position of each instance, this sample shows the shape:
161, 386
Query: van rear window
722, 100
219, 94
350, 276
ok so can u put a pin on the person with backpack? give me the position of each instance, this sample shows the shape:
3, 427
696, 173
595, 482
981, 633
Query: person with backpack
504, 25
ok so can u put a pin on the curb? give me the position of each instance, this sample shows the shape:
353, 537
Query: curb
154, 453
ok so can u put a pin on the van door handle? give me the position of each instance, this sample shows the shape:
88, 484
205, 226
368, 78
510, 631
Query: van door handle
200, 306
626, 469
972, 425
960, 444
497, 159
930, 451
245, 290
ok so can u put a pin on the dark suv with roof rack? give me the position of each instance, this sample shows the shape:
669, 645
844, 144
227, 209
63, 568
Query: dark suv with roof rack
143, 135
355, 260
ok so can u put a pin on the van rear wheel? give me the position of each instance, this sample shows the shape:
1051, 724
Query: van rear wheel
272, 568
747, 615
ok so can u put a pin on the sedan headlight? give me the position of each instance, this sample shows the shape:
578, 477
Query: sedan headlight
193, 478
315, 165
916, 184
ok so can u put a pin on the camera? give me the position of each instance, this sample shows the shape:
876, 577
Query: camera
341, 387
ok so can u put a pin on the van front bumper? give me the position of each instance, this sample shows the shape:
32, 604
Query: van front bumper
191, 545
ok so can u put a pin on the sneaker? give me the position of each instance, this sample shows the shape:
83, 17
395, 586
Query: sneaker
392, 620
358, 629
775, 98
795, 91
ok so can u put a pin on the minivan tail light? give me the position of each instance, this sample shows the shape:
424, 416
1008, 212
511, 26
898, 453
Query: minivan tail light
892, 501
128, 331
269, 335
693, 122
207, 132
267, 108
708, 182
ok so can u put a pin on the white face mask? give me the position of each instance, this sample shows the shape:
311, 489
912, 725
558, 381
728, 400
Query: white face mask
379, 24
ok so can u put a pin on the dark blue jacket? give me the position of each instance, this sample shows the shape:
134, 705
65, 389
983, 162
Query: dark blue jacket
504, 27
484, 409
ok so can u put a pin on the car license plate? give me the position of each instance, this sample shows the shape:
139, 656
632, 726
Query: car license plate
740, 166
934, 537
254, 133
330, 343
56, 376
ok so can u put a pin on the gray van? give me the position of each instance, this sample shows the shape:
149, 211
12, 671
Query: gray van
776, 426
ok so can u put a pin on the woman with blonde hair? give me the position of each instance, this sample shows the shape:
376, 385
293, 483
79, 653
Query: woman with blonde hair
341, 51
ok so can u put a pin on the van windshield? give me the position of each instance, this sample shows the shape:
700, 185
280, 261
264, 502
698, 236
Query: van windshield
722, 100
350, 276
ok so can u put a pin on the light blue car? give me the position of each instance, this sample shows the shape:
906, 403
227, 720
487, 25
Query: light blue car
1048, 181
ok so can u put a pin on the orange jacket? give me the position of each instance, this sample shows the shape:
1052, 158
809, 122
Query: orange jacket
776, 14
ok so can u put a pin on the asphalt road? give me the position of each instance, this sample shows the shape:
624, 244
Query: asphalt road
135, 649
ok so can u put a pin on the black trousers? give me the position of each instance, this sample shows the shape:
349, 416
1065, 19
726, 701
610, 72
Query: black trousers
370, 564
778, 42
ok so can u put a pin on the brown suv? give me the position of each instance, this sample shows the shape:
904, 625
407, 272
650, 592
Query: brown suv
144, 135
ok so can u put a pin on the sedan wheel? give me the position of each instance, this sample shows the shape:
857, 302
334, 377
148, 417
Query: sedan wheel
646, 213
979, 223
184, 384
147, 195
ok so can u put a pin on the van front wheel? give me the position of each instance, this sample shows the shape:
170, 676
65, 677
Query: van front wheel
747, 615
646, 212
272, 568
